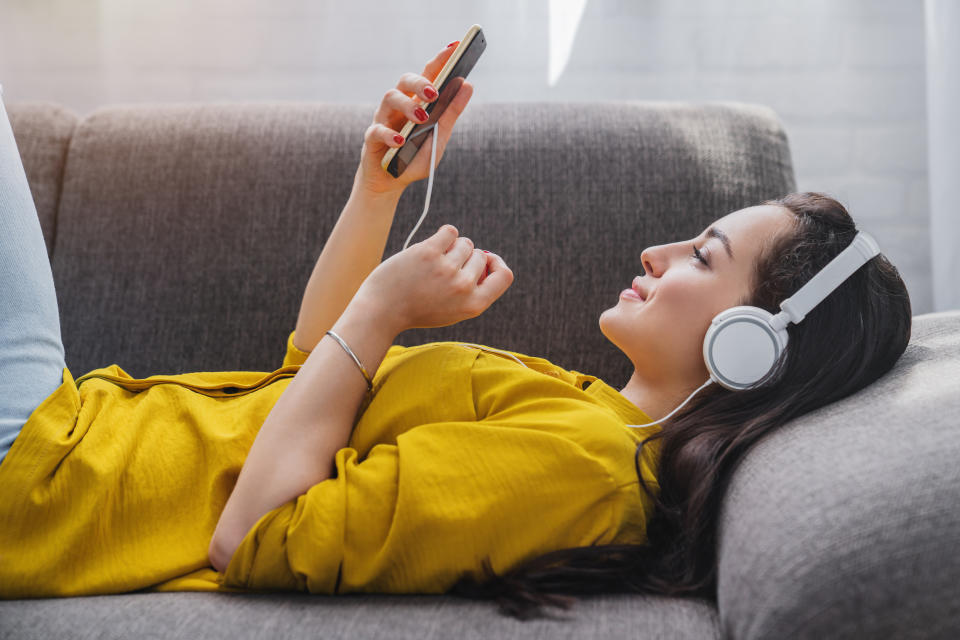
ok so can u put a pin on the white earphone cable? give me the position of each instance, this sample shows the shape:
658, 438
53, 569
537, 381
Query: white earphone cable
435, 127
640, 426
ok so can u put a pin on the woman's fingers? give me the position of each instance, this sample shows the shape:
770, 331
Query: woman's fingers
473, 272
460, 252
404, 108
444, 238
378, 135
479, 267
419, 166
482, 275
498, 277
400, 104
396, 108
432, 68
416, 86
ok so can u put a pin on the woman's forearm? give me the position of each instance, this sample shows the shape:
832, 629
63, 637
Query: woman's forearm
353, 250
311, 421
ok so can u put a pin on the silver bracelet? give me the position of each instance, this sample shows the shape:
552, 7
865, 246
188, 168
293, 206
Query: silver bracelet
343, 344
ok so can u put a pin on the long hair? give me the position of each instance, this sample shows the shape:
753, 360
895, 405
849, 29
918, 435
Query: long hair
852, 338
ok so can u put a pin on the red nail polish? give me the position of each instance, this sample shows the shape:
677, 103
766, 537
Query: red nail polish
420, 113
398, 139
453, 43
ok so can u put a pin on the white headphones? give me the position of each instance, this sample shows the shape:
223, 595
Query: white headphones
743, 343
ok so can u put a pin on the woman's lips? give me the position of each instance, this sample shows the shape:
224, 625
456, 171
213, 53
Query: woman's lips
630, 293
635, 285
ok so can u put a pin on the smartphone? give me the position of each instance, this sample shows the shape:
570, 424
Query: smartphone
447, 84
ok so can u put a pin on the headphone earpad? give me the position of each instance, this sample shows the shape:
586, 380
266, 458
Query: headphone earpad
741, 346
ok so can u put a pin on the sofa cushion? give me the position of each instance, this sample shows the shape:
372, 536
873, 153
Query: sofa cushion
401, 617
188, 232
845, 522
43, 131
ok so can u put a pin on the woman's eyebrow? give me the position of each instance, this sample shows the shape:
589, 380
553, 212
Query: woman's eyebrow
713, 232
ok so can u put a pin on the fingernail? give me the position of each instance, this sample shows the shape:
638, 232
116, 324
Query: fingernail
485, 251
452, 43
398, 139
430, 92
420, 113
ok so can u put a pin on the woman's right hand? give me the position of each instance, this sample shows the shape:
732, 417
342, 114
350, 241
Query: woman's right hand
398, 106
434, 283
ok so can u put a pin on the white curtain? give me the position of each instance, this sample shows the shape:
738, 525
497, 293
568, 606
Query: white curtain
943, 145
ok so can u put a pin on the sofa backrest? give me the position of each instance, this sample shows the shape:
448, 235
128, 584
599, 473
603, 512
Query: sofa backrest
186, 233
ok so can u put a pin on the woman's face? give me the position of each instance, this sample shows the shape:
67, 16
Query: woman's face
663, 334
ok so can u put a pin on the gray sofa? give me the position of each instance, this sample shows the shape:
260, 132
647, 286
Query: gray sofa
182, 236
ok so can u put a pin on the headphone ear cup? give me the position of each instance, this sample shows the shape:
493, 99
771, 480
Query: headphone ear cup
741, 346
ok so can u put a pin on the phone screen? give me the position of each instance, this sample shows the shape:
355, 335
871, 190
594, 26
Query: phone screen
435, 109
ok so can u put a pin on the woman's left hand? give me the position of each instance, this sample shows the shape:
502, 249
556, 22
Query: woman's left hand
434, 283
397, 107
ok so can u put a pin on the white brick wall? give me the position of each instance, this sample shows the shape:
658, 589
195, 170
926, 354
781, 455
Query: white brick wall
847, 77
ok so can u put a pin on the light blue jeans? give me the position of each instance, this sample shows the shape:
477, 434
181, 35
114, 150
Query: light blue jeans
31, 349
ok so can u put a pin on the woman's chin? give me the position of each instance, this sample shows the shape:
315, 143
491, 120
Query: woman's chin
614, 322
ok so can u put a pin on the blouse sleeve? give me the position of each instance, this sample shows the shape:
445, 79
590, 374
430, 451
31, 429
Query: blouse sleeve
414, 516
294, 355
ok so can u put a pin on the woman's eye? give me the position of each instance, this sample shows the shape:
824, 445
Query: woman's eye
698, 255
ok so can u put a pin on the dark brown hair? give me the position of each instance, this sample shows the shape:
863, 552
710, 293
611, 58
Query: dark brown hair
868, 316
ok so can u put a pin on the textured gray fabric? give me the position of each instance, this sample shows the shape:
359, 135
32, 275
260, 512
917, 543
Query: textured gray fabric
188, 232
290, 616
846, 522
43, 132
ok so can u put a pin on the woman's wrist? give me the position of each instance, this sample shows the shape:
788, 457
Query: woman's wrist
363, 188
379, 204
372, 313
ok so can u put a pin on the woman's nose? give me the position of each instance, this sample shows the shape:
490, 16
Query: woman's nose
656, 260
650, 259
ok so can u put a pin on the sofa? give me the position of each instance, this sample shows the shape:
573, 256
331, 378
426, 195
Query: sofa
181, 237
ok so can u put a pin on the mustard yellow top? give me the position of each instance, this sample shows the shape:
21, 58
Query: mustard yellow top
115, 484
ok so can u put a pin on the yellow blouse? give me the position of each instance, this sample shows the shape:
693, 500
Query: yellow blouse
115, 484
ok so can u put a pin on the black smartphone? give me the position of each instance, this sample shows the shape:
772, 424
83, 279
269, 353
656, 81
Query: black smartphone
447, 83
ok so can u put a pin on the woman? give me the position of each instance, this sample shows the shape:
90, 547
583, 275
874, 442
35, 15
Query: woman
422, 468
848, 341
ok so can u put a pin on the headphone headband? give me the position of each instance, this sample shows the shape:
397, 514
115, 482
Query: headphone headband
830, 277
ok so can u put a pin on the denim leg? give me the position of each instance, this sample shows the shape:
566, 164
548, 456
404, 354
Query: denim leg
31, 348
